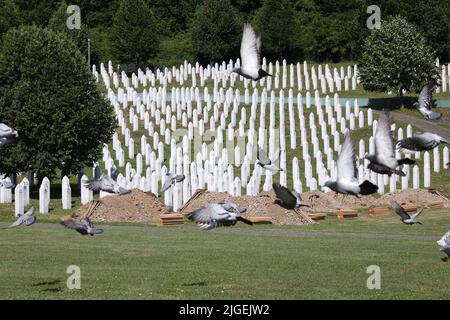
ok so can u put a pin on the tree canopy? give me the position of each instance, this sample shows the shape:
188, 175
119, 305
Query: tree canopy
396, 58
48, 94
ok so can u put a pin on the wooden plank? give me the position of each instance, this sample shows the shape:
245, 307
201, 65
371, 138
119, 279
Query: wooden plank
435, 205
379, 211
409, 207
317, 216
260, 220
346, 213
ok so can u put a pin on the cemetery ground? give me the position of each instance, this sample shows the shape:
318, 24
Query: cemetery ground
323, 261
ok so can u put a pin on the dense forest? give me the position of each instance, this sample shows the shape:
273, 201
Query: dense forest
166, 32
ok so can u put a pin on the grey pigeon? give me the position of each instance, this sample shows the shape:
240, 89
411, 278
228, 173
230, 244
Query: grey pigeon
26, 219
107, 184
444, 244
347, 172
250, 55
7, 135
286, 198
384, 161
420, 142
170, 181
425, 101
84, 227
215, 215
265, 162
7, 184
404, 216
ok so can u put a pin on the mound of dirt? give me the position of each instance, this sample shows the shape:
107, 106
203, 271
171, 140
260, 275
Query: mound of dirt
419, 197
328, 202
136, 206
260, 205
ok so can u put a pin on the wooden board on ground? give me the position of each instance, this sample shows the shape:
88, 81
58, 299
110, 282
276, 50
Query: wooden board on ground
317, 216
260, 220
409, 207
379, 211
346, 213
173, 219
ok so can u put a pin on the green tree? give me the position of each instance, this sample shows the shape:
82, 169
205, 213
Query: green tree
9, 15
216, 31
396, 58
134, 32
275, 21
49, 95
58, 23
174, 51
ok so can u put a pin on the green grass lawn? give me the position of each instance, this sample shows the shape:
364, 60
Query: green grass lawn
185, 263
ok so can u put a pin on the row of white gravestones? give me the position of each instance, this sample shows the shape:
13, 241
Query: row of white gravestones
21, 196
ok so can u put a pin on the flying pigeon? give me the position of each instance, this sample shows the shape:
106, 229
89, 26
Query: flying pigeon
107, 184
7, 184
444, 243
26, 219
267, 163
347, 181
84, 227
250, 55
7, 135
215, 215
286, 198
171, 179
404, 216
420, 142
384, 161
425, 102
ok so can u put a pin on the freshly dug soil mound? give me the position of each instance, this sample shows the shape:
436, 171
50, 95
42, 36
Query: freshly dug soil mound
136, 206
419, 197
261, 205
328, 202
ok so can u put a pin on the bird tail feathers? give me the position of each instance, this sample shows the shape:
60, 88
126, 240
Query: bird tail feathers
242, 219
367, 188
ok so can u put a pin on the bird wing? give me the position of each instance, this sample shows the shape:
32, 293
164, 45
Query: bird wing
6, 131
426, 95
445, 240
400, 211
7, 184
384, 140
418, 213
74, 225
96, 231
232, 207
95, 185
167, 184
30, 212
262, 156
18, 222
276, 156
284, 194
417, 143
209, 213
346, 163
179, 178
250, 46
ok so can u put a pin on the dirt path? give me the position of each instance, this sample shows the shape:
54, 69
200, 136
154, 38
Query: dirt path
423, 124
250, 232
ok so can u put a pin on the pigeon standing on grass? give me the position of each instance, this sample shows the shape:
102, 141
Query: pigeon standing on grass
420, 142
265, 162
215, 215
286, 198
250, 55
26, 219
170, 181
444, 243
404, 216
425, 102
347, 171
384, 161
